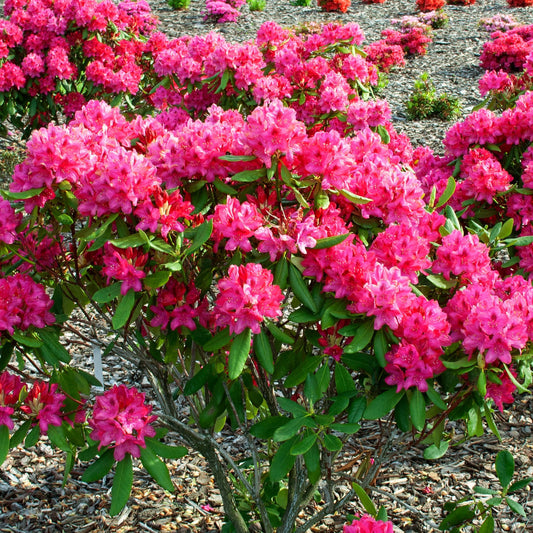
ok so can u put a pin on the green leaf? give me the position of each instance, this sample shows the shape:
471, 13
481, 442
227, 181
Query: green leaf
281, 273
515, 507
290, 429
488, 525
22, 195
282, 462
27, 340
130, 241
506, 229
332, 442
362, 338
4, 443
32, 437
515, 382
349, 429
383, 133
504, 467
248, 176
19, 434
198, 380
263, 351
164, 450
88, 453
304, 445
124, 309
156, 468
291, 407
519, 485
354, 198
343, 379
237, 158
122, 484
380, 347
221, 339
107, 294
440, 282
99, 468
435, 397
328, 242
157, 279
299, 287
312, 463
356, 409
366, 502
300, 373
53, 346
224, 187
239, 351
303, 315
447, 193
383, 404
265, 428
436, 452
417, 408
483, 490
519, 241
201, 236
57, 437
458, 516
278, 333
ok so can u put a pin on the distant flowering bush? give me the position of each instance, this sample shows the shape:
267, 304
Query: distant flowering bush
222, 11
430, 5
520, 3
499, 22
335, 5
367, 524
508, 50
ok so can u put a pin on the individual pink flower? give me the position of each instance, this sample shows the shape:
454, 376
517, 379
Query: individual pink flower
236, 222
44, 403
124, 265
272, 130
23, 303
9, 220
368, 524
502, 392
121, 420
247, 296
10, 388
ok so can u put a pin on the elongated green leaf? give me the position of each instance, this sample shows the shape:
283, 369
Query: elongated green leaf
22, 195
312, 463
332, 442
282, 462
157, 469
292, 407
434, 396
107, 294
349, 429
203, 232
57, 437
27, 339
4, 443
263, 352
99, 468
366, 502
221, 339
447, 193
417, 408
362, 338
383, 404
124, 309
278, 333
239, 351
488, 525
157, 279
520, 484
32, 437
436, 452
458, 516
164, 450
231, 157
266, 428
130, 241
122, 483
19, 434
198, 380
300, 373
504, 467
248, 176
304, 445
51, 343
89, 453
328, 242
290, 429
300, 289
354, 198
343, 379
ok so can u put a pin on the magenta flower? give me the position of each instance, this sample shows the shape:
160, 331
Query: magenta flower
9, 220
44, 404
246, 297
367, 524
10, 387
126, 266
121, 420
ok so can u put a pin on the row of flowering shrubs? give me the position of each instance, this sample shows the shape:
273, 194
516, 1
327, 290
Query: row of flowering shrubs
271, 253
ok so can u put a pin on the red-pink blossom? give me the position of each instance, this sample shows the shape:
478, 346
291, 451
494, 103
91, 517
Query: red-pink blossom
121, 420
125, 265
368, 524
10, 388
246, 297
44, 403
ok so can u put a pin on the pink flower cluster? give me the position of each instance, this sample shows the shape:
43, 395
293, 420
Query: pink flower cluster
508, 50
121, 420
42, 402
222, 11
368, 524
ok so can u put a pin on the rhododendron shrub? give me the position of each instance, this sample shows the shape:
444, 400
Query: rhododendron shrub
430, 5
289, 268
55, 56
335, 5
